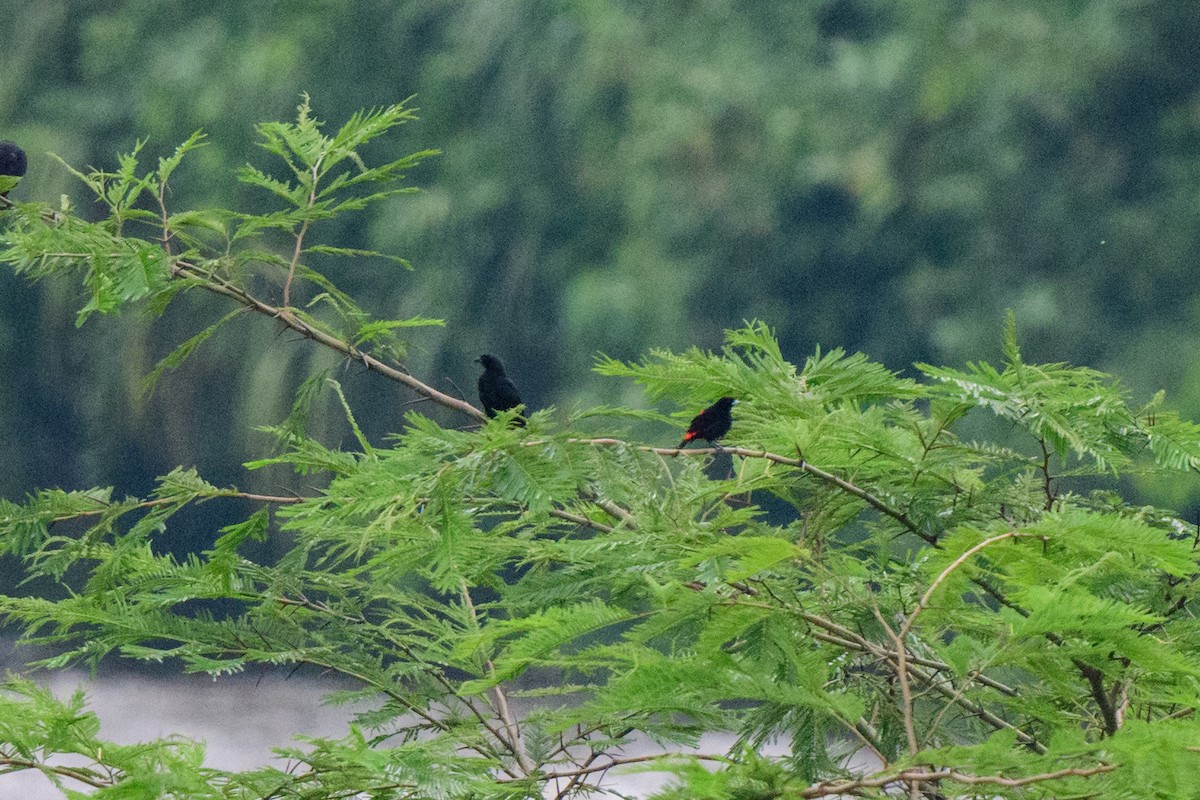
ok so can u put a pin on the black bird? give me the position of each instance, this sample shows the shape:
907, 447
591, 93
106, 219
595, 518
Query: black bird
12, 167
496, 391
710, 424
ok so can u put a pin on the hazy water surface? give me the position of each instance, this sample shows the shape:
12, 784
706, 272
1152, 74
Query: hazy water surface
238, 718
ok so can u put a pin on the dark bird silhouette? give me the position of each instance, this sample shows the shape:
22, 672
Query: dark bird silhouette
710, 424
12, 167
496, 391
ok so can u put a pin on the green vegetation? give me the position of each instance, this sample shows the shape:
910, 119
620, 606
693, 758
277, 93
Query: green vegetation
984, 617
882, 175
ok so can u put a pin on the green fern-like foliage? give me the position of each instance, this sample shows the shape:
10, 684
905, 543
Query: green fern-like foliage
906, 610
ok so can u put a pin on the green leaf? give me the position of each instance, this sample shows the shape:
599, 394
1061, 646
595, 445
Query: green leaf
181, 353
377, 329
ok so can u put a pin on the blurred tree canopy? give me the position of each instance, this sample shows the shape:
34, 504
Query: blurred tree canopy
881, 175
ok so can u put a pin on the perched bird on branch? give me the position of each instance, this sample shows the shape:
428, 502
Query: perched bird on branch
496, 391
12, 167
710, 424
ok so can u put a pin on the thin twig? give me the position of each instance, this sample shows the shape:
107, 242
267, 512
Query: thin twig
910, 731
506, 718
435, 671
585, 768
165, 217
829, 631
479, 747
923, 603
866, 731
312, 200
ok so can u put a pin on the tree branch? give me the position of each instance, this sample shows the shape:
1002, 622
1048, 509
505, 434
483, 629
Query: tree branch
1047, 487
828, 477
1108, 709
617, 761
287, 317
1094, 677
81, 775
921, 774
583, 769
910, 731
579, 519
166, 501
923, 603
839, 635
509, 722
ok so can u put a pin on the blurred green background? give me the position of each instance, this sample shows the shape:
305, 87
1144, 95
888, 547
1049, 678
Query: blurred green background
886, 176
